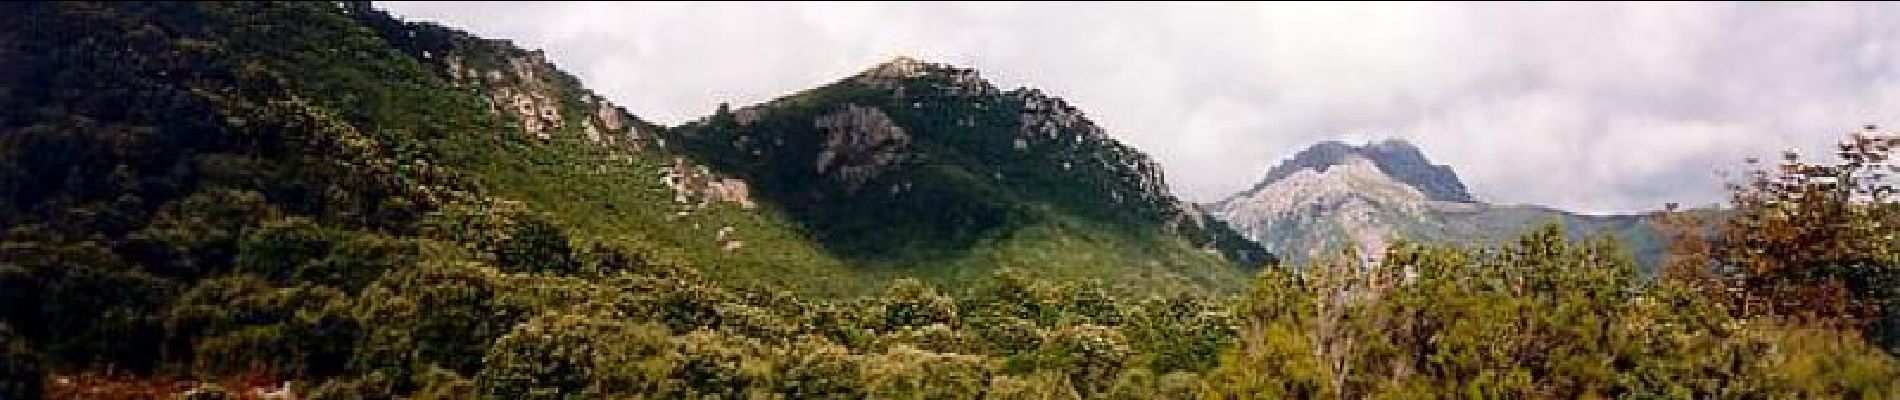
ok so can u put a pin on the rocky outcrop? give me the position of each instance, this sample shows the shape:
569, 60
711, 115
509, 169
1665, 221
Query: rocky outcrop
1314, 210
1332, 195
529, 90
730, 190
896, 76
1396, 158
897, 69
1050, 125
695, 187
519, 84
1406, 163
860, 144
519, 88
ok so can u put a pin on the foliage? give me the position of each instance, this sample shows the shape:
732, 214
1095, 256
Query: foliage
1539, 318
912, 163
1815, 242
294, 194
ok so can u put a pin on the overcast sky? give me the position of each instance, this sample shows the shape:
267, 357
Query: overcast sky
1591, 107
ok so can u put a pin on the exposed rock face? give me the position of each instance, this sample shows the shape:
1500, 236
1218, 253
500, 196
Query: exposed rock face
1312, 210
1050, 125
731, 190
1334, 194
892, 75
609, 122
525, 87
695, 187
520, 88
1405, 163
860, 143
897, 69
1395, 158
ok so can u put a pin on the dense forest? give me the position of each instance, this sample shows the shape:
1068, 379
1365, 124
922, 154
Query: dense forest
293, 200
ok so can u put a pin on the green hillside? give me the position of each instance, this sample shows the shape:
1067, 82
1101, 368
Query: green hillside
910, 164
319, 190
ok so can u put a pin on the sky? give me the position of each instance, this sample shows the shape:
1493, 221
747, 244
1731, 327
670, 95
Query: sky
1592, 107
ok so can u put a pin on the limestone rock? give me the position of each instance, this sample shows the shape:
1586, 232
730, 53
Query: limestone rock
695, 187
860, 144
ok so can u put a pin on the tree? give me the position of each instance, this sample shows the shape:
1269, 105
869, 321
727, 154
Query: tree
1818, 242
559, 355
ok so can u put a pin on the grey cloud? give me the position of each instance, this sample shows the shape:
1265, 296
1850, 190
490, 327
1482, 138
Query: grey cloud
1595, 107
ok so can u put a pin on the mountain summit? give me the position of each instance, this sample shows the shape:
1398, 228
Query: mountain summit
1334, 194
1393, 157
911, 161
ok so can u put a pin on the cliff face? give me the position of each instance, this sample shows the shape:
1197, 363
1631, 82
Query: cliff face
861, 143
1308, 211
1396, 158
1334, 195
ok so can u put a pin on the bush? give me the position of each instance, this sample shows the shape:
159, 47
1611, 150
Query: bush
815, 368
707, 363
439, 312
518, 238
559, 355
1091, 355
912, 303
904, 372
240, 323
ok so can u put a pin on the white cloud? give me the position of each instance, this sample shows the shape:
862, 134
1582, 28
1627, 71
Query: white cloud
1595, 107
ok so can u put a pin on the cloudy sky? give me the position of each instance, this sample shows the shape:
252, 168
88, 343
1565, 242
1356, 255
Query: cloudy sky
1592, 107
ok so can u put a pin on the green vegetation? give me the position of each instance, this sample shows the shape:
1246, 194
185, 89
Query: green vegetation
1539, 318
255, 193
910, 164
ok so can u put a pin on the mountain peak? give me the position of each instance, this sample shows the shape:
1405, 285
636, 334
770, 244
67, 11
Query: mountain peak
902, 71
898, 67
1333, 195
911, 151
1395, 157
904, 60
907, 67
1394, 145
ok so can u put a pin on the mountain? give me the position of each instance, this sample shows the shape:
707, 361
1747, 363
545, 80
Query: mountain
1395, 158
742, 225
340, 115
911, 161
1334, 193
322, 192
212, 200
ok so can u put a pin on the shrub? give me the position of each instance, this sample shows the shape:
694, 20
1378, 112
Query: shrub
557, 355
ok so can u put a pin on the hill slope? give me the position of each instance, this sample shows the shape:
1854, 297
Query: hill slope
321, 193
339, 113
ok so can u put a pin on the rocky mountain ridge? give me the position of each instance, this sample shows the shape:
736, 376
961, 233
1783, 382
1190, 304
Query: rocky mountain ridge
1332, 195
950, 156
1393, 157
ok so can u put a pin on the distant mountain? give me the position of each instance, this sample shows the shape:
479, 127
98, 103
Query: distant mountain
910, 162
1333, 193
1395, 158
